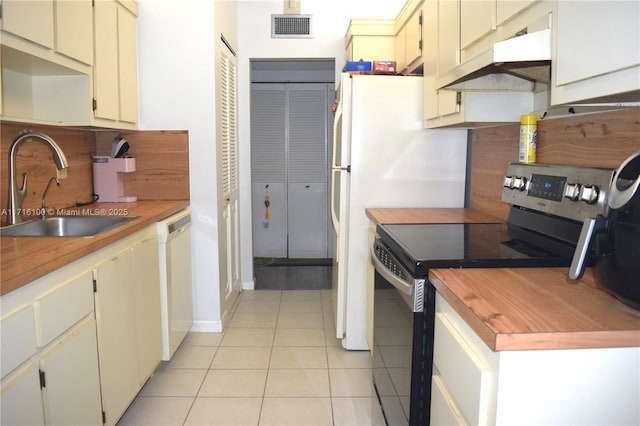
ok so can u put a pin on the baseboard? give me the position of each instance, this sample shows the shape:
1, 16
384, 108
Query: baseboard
206, 327
249, 285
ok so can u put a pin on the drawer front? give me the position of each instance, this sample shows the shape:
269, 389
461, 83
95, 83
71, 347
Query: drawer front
444, 410
62, 308
468, 378
18, 339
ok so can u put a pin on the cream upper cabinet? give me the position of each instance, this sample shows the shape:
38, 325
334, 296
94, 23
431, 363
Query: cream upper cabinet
64, 27
408, 44
596, 55
128, 66
505, 9
30, 19
105, 74
131, 5
115, 71
74, 29
47, 54
370, 40
477, 19
448, 52
440, 52
449, 108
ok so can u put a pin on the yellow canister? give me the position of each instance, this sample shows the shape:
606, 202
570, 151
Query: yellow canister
528, 138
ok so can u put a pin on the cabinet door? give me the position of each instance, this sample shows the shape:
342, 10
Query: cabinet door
74, 29
477, 19
29, 19
71, 391
596, 38
105, 76
147, 300
20, 398
448, 51
505, 9
414, 37
430, 57
401, 49
128, 66
115, 323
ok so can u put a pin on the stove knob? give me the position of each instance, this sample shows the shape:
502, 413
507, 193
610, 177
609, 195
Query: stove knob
572, 191
520, 183
589, 194
508, 182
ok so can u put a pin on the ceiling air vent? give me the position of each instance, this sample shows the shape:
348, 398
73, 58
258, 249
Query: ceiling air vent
291, 26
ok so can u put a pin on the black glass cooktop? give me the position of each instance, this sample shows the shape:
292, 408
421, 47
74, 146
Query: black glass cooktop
471, 245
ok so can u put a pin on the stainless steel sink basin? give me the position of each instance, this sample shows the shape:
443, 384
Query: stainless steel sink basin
68, 226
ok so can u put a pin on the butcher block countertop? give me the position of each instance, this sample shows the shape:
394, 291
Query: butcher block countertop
525, 308
537, 308
24, 259
420, 215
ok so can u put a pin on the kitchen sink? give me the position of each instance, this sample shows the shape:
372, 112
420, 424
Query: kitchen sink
68, 226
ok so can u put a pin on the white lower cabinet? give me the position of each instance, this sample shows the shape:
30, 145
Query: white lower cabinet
71, 384
147, 302
56, 381
75, 355
127, 303
472, 385
117, 347
20, 397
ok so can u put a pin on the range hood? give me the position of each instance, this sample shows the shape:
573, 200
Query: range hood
515, 64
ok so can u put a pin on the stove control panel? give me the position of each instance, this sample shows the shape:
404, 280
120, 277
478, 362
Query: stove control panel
568, 191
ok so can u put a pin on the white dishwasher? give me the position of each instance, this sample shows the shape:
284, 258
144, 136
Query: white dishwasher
174, 249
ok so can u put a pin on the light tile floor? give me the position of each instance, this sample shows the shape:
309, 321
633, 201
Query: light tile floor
276, 364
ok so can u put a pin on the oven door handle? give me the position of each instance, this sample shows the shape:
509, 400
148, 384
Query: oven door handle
394, 280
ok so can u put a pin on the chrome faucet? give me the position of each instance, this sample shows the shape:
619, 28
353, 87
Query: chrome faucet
16, 196
43, 209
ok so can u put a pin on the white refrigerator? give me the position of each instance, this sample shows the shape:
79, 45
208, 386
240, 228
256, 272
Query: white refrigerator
382, 157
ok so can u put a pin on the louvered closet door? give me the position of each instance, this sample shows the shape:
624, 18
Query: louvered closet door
307, 178
228, 166
268, 169
289, 166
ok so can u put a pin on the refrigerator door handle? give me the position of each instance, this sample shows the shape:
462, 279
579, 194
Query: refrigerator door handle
337, 141
334, 215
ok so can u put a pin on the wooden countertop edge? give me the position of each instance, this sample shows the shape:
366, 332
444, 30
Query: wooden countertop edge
486, 334
92, 244
535, 340
393, 215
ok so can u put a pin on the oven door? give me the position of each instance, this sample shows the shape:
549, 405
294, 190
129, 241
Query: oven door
402, 340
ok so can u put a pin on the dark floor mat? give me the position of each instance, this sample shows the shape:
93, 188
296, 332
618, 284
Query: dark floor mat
292, 277
277, 261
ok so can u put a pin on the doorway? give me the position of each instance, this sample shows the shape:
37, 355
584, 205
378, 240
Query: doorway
291, 139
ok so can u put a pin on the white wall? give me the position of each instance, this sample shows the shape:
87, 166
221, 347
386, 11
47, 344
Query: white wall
176, 68
329, 25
